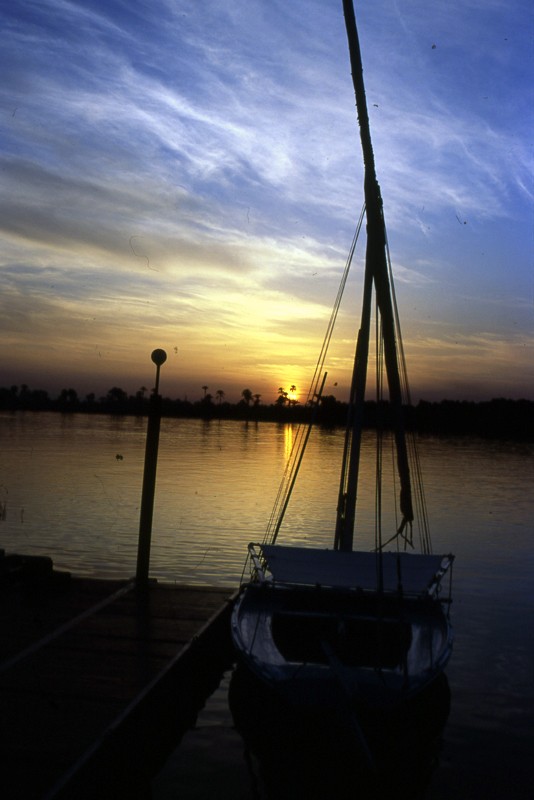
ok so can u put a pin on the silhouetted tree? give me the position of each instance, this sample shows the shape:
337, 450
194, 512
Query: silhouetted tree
498, 418
39, 399
292, 401
68, 399
116, 398
282, 396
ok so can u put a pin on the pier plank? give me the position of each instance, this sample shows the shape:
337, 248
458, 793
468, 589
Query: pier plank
98, 680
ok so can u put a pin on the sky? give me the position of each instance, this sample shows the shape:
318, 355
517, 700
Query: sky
187, 175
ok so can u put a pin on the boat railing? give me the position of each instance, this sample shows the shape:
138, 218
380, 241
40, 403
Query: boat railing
258, 568
435, 585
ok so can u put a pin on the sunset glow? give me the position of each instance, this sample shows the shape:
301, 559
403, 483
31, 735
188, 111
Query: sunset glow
292, 397
188, 176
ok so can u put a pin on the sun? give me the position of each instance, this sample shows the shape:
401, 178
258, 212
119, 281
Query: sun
292, 395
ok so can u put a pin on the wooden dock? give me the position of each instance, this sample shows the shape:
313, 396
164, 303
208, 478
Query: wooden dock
99, 680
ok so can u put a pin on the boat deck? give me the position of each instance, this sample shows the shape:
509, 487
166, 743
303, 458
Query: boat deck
99, 680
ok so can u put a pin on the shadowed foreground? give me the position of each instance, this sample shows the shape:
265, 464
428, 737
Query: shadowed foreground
98, 681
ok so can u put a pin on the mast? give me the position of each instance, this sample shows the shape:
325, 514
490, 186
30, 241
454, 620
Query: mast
376, 272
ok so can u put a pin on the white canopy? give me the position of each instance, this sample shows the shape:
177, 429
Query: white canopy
418, 573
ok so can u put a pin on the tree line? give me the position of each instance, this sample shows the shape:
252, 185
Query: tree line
498, 418
22, 398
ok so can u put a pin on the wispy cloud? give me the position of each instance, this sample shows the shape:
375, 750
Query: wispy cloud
200, 173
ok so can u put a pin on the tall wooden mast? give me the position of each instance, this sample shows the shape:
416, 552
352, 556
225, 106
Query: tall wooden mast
376, 272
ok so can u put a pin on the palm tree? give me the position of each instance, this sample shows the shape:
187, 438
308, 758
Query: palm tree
116, 397
219, 395
246, 394
282, 396
257, 398
205, 390
68, 399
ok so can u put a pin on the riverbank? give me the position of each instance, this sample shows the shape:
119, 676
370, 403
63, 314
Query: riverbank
499, 418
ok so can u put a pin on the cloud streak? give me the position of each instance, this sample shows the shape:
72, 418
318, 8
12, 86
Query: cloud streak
170, 174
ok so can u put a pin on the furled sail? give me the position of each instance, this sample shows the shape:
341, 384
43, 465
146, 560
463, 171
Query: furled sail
376, 273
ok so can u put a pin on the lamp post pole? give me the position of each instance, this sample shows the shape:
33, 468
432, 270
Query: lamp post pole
149, 476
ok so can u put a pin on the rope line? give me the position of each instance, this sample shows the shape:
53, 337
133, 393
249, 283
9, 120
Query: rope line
313, 399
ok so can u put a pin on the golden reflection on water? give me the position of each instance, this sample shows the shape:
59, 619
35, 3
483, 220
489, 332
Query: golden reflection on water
288, 441
66, 493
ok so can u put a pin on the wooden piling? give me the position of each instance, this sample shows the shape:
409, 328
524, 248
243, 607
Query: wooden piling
149, 476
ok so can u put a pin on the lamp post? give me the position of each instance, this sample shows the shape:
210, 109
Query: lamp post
149, 476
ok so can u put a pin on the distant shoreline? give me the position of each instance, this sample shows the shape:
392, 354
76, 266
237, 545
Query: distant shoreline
493, 419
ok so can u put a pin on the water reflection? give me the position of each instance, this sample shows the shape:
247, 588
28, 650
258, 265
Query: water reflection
343, 755
288, 442
66, 495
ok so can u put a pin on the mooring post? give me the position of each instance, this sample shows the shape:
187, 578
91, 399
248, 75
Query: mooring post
149, 476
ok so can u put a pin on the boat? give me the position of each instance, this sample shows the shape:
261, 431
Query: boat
348, 627
293, 752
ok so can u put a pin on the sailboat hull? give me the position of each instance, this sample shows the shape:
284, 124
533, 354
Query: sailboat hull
324, 646
343, 753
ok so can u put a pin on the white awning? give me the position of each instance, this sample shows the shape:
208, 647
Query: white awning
417, 573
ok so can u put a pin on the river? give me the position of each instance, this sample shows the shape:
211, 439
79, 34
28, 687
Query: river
70, 488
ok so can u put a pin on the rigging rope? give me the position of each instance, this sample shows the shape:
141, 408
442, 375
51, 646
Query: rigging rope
313, 399
379, 435
319, 368
413, 454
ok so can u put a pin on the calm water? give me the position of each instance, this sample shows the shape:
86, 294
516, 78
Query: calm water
70, 488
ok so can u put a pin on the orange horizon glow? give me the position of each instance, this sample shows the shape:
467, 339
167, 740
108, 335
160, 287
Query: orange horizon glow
211, 218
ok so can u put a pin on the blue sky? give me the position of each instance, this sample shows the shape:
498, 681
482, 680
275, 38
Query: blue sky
187, 175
